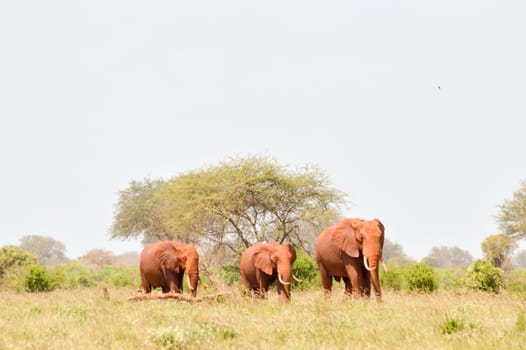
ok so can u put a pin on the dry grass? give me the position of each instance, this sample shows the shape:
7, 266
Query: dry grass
85, 319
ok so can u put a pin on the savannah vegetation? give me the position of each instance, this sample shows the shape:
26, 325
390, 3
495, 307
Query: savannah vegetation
446, 300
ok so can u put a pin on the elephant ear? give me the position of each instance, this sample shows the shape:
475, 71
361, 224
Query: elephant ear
168, 256
344, 236
292, 251
262, 260
381, 227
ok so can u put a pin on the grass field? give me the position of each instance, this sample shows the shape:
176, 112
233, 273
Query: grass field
84, 319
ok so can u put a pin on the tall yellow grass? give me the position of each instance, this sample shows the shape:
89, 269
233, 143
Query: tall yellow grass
85, 319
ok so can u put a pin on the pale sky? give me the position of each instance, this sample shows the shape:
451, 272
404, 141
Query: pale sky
96, 94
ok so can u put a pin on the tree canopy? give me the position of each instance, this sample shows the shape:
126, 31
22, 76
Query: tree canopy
448, 257
138, 211
98, 257
512, 216
12, 257
232, 204
498, 248
48, 250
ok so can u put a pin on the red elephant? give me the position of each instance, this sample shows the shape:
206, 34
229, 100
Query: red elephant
163, 264
351, 250
263, 263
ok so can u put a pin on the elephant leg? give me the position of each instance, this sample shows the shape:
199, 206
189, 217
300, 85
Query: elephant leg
348, 286
145, 285
354, 275
171, 281
326, 281
262, 285
179, 282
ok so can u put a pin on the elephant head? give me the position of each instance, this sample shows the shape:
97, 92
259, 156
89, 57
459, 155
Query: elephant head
179, 258
366, 238
277, 257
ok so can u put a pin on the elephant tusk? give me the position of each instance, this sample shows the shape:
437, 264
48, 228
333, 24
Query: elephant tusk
281, 280
296, 279
384, 265
366, 264
189, 284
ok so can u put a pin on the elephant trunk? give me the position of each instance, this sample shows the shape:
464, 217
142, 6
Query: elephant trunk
284, 278
192, 275
372, 265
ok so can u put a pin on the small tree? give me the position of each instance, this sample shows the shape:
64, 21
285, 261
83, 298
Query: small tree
98, 257
512, 216
39, 280
420, 278
482, 275
498, 248
49, 250
138, 212
12, 258
126, 259
391, 250
448, 257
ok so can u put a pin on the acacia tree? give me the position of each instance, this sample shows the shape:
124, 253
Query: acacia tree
98, 257
239, 202
512, 216
138, 212
391, 249
498, 248
48, 250
448, 257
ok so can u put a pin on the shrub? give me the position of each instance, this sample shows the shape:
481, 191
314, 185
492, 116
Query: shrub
450, 279
420, 278
168, 338
451, 325
230, 274
206, 335
74, 275
306, 269
483, 276
12, 258
394, 278
515, 281
119, 276
38, 279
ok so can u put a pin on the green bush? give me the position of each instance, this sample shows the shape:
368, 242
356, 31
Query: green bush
451, 325
74, 275
117, 276
12, 258
482, 275
306, 269
515, 281
230, 274
450, 279
38, 279
394, 278
420, 278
